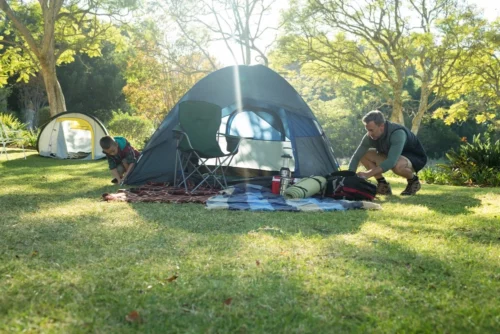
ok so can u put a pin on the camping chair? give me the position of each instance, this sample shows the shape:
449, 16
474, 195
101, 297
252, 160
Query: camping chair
197, 141
8, 136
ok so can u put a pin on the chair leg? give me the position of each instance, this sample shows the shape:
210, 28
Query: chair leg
5, 151
183, 167
175, 167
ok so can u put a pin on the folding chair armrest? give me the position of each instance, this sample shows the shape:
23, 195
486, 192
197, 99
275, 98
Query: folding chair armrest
178, 134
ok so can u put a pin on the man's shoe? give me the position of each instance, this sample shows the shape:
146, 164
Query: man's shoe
412, 188
384, 188
114, 181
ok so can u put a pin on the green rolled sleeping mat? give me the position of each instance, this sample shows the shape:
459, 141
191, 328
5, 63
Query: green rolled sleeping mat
306, 187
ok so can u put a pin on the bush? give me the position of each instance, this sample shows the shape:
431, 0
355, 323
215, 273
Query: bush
13, 123
476, 163
434, 175
437, 138
134, 128
30, 139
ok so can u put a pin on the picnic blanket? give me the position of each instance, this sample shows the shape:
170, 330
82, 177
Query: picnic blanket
160, 193
257, 198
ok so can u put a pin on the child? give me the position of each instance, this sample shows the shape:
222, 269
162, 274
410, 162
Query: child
121, 156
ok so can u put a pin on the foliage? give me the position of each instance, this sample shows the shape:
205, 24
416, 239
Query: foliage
374, 43
12, 123
136, 129
4, 94
31, 138
434, 175
477, 94
158, 76
73, 263
240, 27
476, 163
342, 127
43, 116
93, 85
437, 138
39, 37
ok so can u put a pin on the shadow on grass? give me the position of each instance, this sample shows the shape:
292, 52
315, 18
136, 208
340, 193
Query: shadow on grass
336, 287
453, 202
196, 219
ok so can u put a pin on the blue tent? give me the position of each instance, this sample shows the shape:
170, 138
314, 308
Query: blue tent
259, 104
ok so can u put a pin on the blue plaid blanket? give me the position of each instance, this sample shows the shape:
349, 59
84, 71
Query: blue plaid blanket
257, 198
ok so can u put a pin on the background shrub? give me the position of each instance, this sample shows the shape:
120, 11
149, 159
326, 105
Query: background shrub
134, 128
13, 123
476, 163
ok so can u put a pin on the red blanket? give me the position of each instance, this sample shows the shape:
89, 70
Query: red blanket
160, 193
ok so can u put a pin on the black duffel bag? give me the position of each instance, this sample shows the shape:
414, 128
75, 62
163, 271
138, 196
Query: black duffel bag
347, 185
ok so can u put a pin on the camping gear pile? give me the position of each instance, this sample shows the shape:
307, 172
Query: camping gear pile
257, 198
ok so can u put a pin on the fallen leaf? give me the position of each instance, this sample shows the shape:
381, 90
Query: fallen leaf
173, 278
133, 317
257, 262
228, 301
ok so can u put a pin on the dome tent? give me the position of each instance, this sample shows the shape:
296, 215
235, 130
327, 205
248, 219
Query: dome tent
257, 104
71, 135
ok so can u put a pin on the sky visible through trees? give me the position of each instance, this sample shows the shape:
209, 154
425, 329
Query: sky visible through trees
491, 10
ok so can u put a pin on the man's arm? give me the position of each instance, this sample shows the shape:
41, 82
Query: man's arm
115, 174
398, 141
363, 147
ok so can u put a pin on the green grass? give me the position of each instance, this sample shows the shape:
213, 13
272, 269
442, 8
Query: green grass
71, 263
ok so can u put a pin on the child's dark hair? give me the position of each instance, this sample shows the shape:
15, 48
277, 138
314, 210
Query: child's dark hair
106, 142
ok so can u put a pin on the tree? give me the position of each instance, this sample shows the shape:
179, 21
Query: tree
443, 45
94, 85
236, 23
378, 43
32, 97
4, 94
159, 73
345, 38
46, 34
477, 95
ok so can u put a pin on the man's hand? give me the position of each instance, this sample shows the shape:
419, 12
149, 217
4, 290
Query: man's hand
363, 175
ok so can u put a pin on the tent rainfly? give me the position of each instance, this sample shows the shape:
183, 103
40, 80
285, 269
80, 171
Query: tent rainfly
257, 104
71, 135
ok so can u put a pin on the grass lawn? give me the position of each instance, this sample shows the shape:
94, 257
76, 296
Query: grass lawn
71, 263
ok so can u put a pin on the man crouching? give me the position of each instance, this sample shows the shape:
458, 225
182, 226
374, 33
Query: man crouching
385, 146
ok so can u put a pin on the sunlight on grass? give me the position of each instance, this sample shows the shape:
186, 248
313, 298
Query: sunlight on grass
73, 263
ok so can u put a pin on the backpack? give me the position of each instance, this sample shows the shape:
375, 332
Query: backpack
347, 185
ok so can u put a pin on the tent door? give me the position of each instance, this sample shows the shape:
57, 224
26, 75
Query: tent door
76, 135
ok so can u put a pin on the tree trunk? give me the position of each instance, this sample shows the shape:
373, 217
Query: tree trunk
55, 95
397, 106
422, 108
